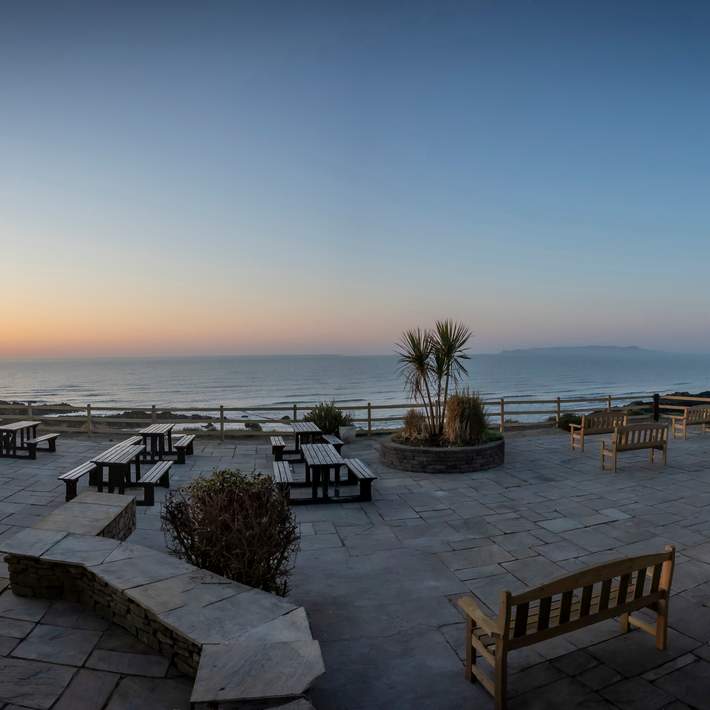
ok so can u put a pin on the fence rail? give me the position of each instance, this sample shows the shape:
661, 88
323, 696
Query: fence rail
369, 417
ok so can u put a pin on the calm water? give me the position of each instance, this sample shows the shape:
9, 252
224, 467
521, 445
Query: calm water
252, 381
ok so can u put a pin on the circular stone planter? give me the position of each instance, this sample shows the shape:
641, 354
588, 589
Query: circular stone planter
434, 459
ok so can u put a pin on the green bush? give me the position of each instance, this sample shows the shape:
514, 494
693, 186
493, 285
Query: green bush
566, 419
328, 417
465, 422
237, 525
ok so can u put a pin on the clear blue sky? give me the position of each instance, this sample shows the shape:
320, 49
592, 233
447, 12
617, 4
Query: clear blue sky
309, 177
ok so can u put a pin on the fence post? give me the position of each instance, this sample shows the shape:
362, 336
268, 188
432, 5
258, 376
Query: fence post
89, 423
608, 402
369, 418
559, 411
502, 414
221, 422
153, 414
295, 412
656, 407
29, 409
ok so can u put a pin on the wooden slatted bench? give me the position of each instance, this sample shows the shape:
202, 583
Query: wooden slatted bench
184, 446
690, 416
278, 446
71, 478
32, 444
359, 472
636, 437
566, 604
283, 475
599, 423
334, 441
158, 474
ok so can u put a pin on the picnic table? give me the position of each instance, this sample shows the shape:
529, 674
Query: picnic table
157, 435
118, 460
320, 460
305, 433
8, 436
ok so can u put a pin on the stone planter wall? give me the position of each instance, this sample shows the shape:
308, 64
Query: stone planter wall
55, 580
426, 459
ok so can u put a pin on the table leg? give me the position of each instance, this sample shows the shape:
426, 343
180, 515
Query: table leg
315, 472
161, 447
138, 469
326, 480
13, 443
170, 441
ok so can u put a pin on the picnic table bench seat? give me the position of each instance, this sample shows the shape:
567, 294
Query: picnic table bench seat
184, 446
278, 445
32, 444
569, 603
283, 475
71, 478
158, 474
333, 440
360, 473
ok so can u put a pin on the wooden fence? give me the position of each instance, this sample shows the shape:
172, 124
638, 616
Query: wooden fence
370, 417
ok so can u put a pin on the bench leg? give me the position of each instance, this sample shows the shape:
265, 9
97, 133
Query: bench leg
53, 445
470, 652
277, 453
148, 495
190, 449
32, 451
165, 479
501, 681
180, 456
366, 490
71, 490
624, 622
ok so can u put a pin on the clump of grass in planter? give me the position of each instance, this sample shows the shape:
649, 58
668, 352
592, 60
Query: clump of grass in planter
415, 427
328, 417
237, 525
465, 423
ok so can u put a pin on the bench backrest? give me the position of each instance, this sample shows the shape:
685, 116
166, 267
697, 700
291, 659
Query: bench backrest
603, 422
640, 436
586, 597
697, 415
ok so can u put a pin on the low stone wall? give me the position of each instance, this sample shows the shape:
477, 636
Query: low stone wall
55, 580
430, 459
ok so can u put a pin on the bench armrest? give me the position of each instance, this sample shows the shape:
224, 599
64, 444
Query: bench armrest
470, 607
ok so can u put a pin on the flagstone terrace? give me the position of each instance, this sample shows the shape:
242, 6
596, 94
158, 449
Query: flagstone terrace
378, 581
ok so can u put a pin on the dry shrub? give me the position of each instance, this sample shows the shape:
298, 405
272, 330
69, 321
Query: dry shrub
236, 525
415, 426
465, 423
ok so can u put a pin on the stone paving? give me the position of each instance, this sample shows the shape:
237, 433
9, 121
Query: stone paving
378, 580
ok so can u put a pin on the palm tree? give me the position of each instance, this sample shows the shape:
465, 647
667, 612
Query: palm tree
431, 363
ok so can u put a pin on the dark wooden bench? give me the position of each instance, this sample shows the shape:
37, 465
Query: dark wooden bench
564, 605
359, 473
71, 478
32, 444
278, 446
158, 474
333, 440
283, 475
183, 446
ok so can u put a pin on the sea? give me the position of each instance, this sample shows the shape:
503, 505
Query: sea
251, 381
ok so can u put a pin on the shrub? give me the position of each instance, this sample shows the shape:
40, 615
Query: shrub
415, 426
566, 419
236, 525
465, 422
328, 417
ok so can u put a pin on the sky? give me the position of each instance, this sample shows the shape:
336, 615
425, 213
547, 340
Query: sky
279, 177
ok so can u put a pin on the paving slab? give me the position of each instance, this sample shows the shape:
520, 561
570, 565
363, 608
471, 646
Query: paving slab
57, 644
32, 684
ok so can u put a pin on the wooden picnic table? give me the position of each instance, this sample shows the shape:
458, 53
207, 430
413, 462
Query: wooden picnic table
8, 436
157, 434
320, 460
118, 460
305, 433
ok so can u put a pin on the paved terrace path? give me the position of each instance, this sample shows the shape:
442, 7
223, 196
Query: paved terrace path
378, 578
